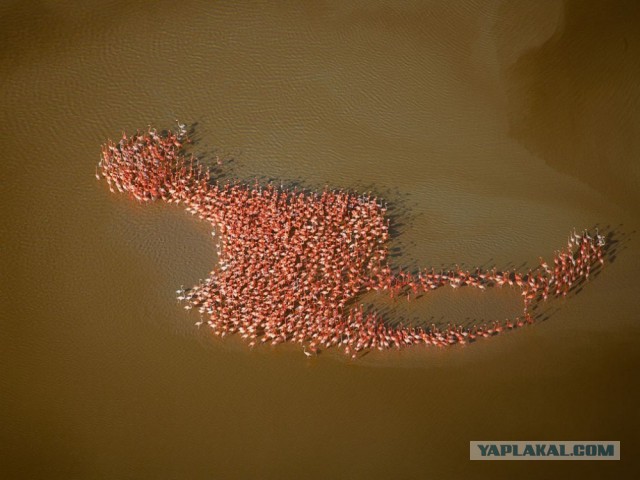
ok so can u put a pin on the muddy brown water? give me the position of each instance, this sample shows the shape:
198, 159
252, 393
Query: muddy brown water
493, 127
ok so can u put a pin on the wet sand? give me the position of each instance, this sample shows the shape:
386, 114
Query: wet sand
495, 128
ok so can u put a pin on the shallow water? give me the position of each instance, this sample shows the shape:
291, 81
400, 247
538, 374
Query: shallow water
493, 128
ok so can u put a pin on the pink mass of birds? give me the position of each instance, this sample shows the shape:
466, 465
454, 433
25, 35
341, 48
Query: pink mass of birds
292, 264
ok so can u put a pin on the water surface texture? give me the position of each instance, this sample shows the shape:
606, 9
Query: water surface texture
493, 128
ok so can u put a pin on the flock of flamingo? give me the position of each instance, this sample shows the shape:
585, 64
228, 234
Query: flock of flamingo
292, 264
